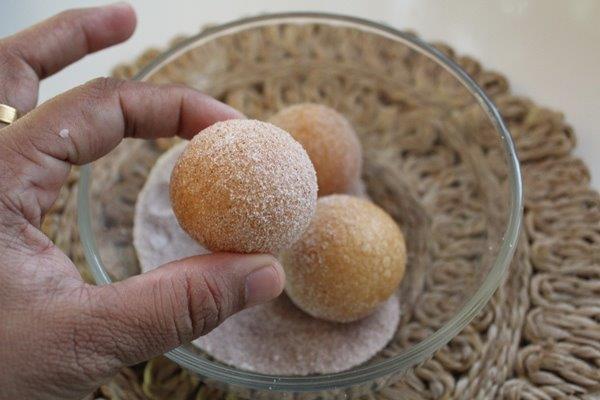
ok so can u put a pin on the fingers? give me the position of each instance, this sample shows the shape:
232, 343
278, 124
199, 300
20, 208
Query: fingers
152, 313
51, 45
86, 123
65, 38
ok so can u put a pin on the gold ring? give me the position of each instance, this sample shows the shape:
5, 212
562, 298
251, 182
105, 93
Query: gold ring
8, 114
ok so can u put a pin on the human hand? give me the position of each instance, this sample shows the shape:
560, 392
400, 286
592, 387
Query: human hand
59, 337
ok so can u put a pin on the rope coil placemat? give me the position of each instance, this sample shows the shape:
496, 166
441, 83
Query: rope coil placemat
538, 337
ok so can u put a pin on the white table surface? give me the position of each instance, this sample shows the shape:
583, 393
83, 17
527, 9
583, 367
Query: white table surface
549, 49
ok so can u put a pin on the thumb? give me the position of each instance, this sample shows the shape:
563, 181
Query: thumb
157, 311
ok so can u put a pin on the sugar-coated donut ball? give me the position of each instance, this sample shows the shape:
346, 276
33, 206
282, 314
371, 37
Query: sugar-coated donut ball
329, 140
349, 260
244, 186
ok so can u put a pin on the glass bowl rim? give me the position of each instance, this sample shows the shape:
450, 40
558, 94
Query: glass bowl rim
408, 357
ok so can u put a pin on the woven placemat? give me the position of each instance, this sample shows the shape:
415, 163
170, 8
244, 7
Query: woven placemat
539, 336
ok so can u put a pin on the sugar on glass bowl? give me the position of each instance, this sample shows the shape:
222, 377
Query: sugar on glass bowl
437, 157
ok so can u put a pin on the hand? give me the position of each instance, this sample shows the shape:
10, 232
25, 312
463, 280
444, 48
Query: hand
59, 337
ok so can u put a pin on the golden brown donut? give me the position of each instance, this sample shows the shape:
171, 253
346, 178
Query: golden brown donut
243, 186
329, 140
349, 260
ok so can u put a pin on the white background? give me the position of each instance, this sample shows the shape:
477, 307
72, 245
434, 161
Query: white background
549, 49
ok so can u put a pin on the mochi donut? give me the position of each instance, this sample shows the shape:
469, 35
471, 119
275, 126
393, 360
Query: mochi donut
244, 186
350, 260
329, 140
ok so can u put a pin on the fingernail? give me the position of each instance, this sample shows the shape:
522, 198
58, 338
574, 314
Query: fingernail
118, 4
264, 284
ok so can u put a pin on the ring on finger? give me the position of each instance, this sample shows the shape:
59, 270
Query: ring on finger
8, 114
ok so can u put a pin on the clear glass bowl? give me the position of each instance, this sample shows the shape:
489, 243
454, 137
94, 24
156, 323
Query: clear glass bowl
438, 157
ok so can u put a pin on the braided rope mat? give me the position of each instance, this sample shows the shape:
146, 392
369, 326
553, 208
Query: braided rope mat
539, 336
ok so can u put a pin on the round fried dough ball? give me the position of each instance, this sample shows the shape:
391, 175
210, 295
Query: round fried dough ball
329, 140
243, 186
349, 260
